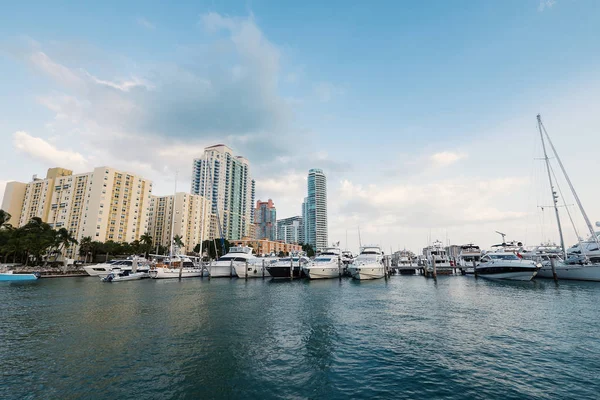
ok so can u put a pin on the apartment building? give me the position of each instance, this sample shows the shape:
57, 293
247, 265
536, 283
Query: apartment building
191, 221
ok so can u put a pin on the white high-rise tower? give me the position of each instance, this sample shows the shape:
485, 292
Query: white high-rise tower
225, 180
315, 210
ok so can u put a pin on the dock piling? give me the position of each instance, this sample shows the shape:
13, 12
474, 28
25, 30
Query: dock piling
246, 274
263, 268
475, 267
231, 269
291, 268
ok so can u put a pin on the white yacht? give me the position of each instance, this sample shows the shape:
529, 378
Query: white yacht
326, 265
436, 253
587, 247
506, 265
177, 267
578, 269
347, 257
102, 270
368, 264
234, 264
468, 254
118, 275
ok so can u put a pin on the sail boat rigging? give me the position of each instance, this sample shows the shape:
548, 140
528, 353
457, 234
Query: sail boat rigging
567, 269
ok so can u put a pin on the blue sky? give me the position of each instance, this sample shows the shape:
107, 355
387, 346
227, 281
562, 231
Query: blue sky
408, 106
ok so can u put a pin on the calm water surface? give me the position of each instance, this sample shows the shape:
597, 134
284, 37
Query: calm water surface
409, 337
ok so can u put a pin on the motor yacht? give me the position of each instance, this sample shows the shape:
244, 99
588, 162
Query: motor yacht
289, 267
347, 257
239, 261
178, 266
118, 275
368, 264
325, 266
12, 277
506, 265
104, 269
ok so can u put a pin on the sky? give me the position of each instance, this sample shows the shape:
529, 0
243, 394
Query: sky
421, 113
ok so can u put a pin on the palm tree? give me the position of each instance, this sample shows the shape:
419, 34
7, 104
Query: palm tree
85, 247
146, 240
177, 240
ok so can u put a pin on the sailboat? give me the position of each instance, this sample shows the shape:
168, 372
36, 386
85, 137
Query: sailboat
574, 268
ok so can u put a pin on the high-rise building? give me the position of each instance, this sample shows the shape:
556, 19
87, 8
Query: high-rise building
192, 216
105, 204
265, 220
290, 230
314, 210
224, 180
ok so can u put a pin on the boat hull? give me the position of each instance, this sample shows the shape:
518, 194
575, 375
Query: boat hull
324, 272
17, 277
284, 272
170, 273
572, 272
131, 277
222, 270
252, 271
367, 271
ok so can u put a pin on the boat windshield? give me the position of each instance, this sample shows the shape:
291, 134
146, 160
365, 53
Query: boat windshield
288, 259
370, 252
322, 259
503, 257
231, 257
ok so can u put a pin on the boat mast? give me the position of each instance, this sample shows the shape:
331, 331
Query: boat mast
205, 164
552, 191
359, 242
585, 217
173, 218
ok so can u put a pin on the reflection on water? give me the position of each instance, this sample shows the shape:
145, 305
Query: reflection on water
409, 337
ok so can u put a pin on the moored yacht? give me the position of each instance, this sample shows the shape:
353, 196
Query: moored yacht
103, 269
234, 264
118, 275
177, 267
368, 264
468, 254
289, 267
506, 265
327, 265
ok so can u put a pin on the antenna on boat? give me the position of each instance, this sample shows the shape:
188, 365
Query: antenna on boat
552, 191
359, 241
503, 236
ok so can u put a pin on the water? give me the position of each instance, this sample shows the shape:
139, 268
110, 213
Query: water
409, 337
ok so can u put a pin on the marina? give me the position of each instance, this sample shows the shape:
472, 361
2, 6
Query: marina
328, 338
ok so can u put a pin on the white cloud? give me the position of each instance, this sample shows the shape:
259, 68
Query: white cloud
446, 158
41, 150
546, 4
143, 22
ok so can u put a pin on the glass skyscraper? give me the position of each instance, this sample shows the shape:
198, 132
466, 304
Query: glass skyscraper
314, 210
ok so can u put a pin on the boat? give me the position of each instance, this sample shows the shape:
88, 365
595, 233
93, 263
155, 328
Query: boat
468, 254
118, 275
10, 276
506, 265
347, 257
177, 266
102, 270
287, 266
326, 265
368, 264
582, 261
436, 253
239, 261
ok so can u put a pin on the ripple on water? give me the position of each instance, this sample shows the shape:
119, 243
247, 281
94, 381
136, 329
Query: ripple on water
405, 338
